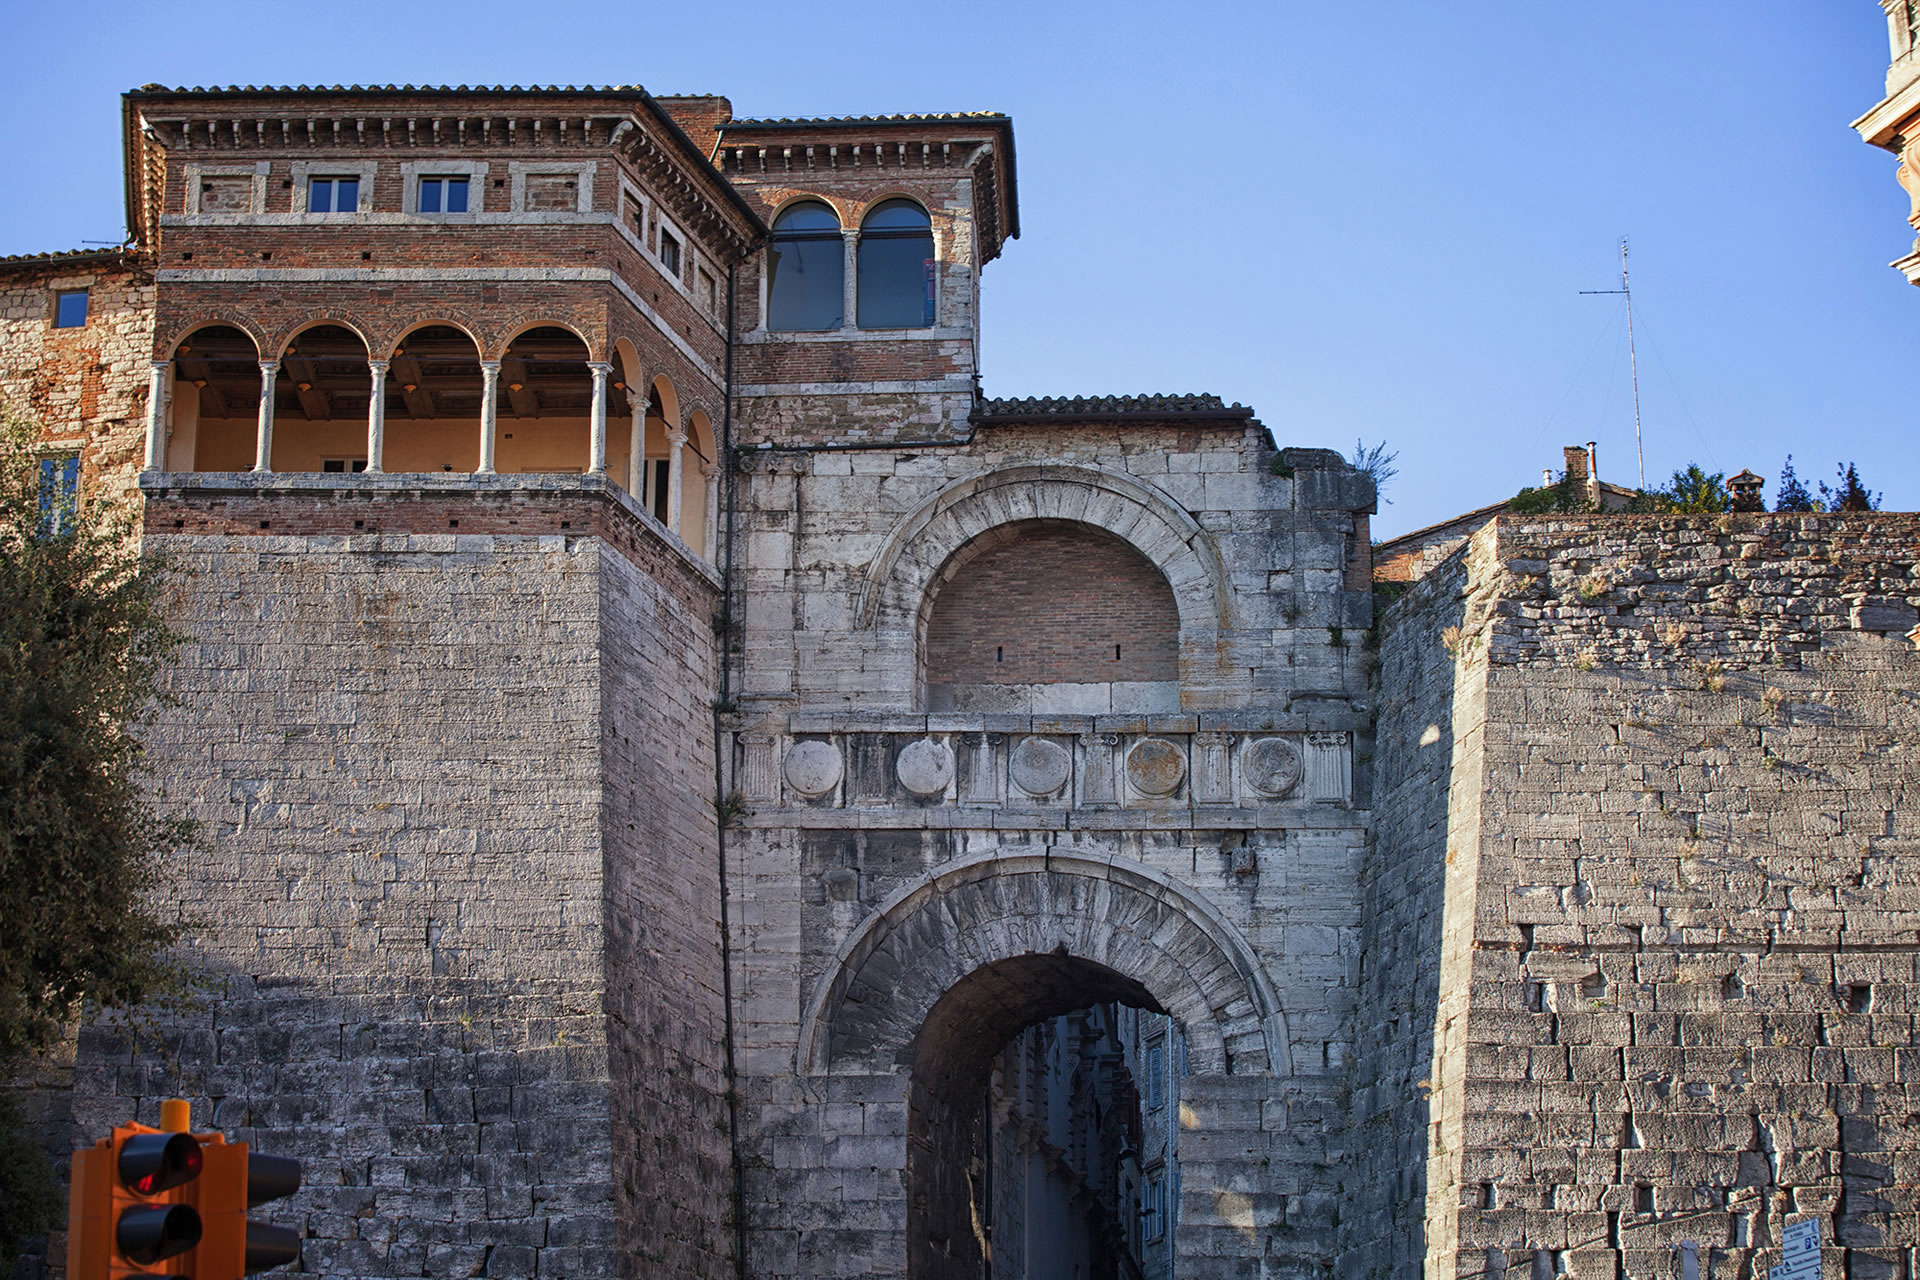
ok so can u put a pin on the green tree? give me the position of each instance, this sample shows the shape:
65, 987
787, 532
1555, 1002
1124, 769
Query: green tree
1565, 496
1849, 494
82, 640
1694, 491
1792, 495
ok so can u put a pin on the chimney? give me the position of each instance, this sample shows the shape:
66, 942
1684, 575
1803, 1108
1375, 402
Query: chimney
1593, 477
1576, 464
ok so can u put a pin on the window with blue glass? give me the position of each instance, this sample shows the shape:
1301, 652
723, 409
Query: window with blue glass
443, 195
897, 267
806, 270
333, 195
59, 491
70, 309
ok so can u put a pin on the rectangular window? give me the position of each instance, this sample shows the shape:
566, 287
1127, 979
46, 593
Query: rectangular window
333, 195
59, 491
710, 291
70, 309
670, 253
343, 465
443, 195
1153, 1210
662, 467
1156, 1073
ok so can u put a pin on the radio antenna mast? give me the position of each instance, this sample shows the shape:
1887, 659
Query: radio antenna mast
1633, 358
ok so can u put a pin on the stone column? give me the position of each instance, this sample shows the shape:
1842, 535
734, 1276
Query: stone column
377, 416
637, 453
676, 446
159, 402
489, 412
263, 441
850, 281
597, 435
711, 471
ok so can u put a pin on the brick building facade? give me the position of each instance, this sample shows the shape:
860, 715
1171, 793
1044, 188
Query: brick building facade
668, 750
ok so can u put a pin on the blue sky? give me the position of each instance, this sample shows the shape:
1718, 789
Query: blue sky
1366, 220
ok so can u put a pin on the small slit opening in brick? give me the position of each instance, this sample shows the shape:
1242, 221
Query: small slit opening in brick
1860, 998
266, 524
453, 524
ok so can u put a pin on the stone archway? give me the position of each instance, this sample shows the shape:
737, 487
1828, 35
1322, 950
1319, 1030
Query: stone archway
869, 1007
949, 969
901, 584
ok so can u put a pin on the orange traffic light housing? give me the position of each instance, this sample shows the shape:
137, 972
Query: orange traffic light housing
234, 1182
153, 1202
131, 1210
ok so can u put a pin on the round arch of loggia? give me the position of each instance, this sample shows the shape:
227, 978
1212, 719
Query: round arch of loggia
869, 1005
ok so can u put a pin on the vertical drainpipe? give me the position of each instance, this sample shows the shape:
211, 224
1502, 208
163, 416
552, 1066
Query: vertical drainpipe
726, 633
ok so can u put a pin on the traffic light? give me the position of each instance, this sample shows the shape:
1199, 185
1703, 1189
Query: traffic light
130, 1210
167, 1202
235, 1181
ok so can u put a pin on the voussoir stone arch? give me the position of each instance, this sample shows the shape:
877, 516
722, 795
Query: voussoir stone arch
900, 587
869, 1005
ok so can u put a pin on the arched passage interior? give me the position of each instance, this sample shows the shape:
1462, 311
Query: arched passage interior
1025, 1124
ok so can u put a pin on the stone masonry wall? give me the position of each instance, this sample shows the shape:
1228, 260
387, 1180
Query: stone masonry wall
84, 389
1678, 967
430, 977
666, 1020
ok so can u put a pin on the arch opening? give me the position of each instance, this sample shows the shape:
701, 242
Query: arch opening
434, 391
320, 402
1050, 616
806, 266
1040, 1133
545, 399
899, 275
216, 401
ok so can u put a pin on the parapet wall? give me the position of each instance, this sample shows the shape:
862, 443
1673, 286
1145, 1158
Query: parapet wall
1677, 930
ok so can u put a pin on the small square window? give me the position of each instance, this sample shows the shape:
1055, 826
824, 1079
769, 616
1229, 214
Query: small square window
59, 492
70, 309
670, 253
710, 290
340, 466
443, 195
333, 195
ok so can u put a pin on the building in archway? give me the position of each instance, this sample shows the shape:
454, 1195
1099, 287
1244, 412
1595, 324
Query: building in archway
1894, 122
691, 787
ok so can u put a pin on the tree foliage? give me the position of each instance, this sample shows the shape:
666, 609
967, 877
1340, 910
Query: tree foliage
1848, 494
1567, 496
82, 640
1791, 495
1694, 491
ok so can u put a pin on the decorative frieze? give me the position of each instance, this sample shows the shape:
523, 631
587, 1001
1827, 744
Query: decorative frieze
863, 767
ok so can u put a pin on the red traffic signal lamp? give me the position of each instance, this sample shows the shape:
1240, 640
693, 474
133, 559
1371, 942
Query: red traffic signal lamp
149, 1202
130, 1211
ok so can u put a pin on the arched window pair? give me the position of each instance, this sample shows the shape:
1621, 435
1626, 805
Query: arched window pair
896, 270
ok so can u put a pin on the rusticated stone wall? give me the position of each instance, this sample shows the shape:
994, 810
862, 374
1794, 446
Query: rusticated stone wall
1677, 941
456, 880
